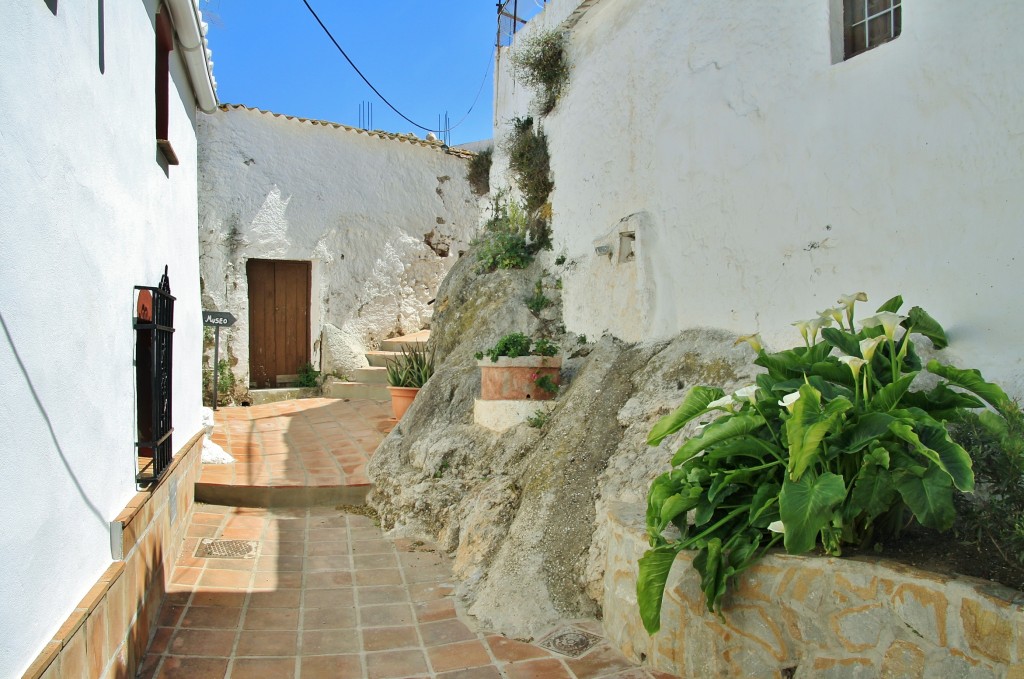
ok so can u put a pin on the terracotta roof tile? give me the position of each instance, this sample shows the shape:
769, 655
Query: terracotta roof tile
379, 134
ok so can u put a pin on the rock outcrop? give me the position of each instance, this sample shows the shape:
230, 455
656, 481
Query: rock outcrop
517, 510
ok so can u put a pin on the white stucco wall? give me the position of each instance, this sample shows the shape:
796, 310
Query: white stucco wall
358, 207
87, 212
762, 180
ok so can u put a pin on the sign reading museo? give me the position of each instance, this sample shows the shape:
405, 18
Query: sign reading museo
224, 319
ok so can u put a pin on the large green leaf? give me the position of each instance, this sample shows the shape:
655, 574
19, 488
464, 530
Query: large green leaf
873, 491
765, 498
892, 304
744, 446
868, 429
716, 432
846, 342
694, 405
972, 381
662, 488
806, 507
805, 429
678, 504
924, 324
929, 496
934, 443
650, 584
941, 402
710, 564
889, 396
783, 365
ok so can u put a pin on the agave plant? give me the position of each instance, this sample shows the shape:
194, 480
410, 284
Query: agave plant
411, 368
829, 447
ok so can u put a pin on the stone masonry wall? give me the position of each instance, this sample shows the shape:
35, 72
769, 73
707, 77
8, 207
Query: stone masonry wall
815, 617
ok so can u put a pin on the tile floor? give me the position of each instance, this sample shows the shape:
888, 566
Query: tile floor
313, 442
326, 595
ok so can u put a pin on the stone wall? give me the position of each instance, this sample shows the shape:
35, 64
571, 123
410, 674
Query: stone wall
813, 617
108, 632
757, 180
381, 217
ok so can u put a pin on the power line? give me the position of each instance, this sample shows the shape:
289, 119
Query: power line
376, 91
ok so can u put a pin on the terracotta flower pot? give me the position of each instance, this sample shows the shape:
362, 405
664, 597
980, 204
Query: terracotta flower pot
401, 399
514, 379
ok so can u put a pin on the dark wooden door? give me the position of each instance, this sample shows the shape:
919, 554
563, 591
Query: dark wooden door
278, 319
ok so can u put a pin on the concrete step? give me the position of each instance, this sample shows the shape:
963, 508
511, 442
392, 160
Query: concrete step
261, 396
287, 496
379, 359
373, 392
371, 375
413, 339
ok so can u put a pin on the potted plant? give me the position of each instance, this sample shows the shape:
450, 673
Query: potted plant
518, 368
407, 373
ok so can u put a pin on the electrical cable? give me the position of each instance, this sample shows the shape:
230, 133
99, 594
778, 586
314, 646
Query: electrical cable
377, 92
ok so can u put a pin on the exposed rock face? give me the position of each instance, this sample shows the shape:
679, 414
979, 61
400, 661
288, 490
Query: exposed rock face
517, 509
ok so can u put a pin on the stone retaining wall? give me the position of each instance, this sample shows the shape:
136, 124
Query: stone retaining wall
815, 617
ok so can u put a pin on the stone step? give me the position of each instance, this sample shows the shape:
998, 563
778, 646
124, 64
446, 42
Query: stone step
371, 375
379, 359
373, 392
414, 339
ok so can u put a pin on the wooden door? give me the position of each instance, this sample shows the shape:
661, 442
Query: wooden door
278, 319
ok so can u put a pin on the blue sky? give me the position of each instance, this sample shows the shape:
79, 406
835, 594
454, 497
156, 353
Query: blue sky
425, 57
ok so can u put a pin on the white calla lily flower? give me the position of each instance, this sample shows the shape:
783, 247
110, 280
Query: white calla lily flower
835, 313
868, 347
887, 319
754, 340
746, 394
804, 328
854, 364
776, 527
847, 301
789, 399
816, 324
724, 402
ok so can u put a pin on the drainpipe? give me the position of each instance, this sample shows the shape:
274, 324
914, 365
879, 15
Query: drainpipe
187, 23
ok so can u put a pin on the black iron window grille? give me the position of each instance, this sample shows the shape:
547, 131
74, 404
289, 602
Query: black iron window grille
154, 334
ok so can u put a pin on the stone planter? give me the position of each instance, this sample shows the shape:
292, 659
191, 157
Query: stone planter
806, 616
514, 379
401, 399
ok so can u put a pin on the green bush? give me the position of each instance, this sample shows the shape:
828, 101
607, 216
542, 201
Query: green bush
540, 62
503, 244
537, 302
411, 368
479, 174
530, 163
823, 450
225, 384
994, 517
308, 377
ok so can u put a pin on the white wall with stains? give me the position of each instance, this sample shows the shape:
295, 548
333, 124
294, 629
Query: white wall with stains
762, 180
381, 218
89, 210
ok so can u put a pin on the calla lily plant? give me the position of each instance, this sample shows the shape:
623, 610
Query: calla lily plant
831, 447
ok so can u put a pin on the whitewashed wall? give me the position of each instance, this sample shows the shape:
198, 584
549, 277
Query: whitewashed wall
762, 180
360, 208
87, 212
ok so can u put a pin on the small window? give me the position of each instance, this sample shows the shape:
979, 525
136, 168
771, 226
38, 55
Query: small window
164, 47
868, 24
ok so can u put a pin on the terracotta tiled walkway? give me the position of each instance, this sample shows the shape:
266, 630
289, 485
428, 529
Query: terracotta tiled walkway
320, 591
316, 442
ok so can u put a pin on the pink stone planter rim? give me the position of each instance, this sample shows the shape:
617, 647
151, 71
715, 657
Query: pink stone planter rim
522, 362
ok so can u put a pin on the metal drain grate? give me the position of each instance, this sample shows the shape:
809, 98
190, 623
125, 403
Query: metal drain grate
569, 641
226, 549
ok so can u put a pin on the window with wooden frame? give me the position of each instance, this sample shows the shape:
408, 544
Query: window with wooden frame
164, 47
868, 24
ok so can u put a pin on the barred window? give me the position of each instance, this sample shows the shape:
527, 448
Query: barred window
868, 24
